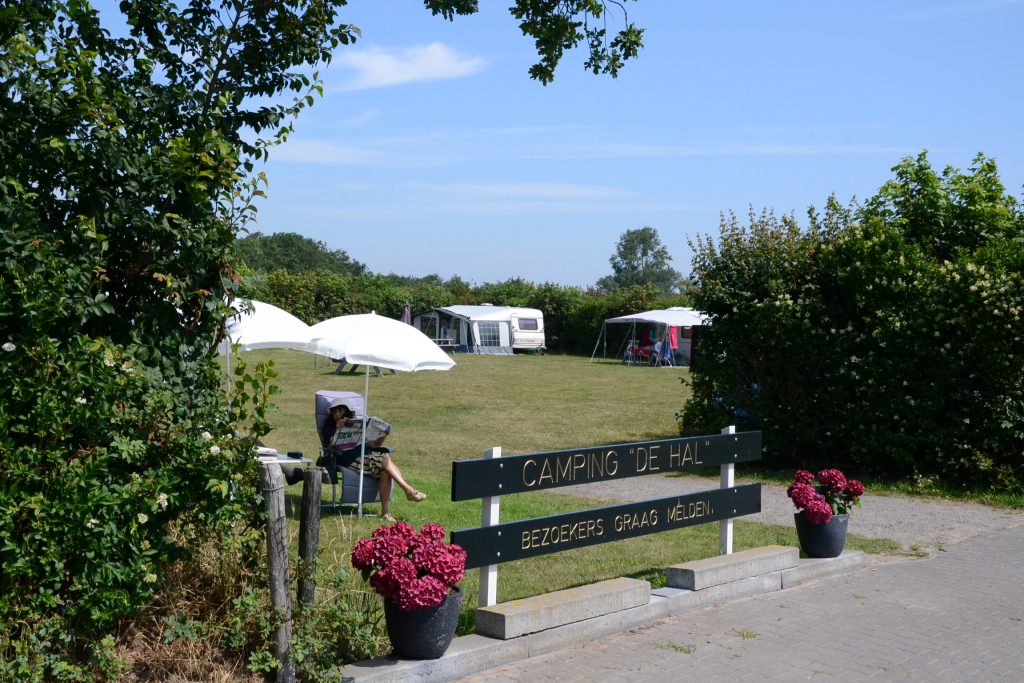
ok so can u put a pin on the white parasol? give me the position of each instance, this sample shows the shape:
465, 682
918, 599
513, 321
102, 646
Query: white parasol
259, 325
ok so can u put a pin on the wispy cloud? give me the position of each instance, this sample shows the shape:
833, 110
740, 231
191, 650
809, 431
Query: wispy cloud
521, 190
442, 148
412, 209
331, 154
362, 118
378, 67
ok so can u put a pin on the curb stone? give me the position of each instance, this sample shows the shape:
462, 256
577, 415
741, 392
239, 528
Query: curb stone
474, 653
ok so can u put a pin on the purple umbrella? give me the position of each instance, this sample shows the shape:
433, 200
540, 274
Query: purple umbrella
407, 314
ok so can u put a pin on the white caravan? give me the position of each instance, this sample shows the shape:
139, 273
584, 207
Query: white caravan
484, 328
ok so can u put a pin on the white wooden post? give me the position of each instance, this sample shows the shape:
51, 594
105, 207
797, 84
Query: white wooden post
489, 517
727, 479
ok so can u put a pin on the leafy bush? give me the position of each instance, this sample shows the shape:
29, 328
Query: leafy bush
124, 176
885, 338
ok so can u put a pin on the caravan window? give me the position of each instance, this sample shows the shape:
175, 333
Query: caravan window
490, 334
528, 324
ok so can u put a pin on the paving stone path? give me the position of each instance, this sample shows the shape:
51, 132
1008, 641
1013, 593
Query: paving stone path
955, 615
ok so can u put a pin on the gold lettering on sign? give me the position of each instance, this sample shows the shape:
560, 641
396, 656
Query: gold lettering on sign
681, 455
570, 468
611, 462
693, 510
528, 479
564, 471
636, 520
647, 459
579, 462
562, 533
545, 472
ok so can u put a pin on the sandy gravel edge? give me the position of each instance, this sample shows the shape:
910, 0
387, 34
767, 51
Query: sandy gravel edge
917, 524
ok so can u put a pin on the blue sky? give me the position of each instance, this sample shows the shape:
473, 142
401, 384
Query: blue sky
433, 152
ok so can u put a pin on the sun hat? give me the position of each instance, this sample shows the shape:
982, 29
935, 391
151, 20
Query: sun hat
342, 403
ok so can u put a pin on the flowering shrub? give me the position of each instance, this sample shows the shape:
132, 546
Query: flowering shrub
831, 493
889, 331
413, 570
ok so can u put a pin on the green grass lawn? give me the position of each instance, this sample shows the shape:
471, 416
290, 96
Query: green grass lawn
522, 403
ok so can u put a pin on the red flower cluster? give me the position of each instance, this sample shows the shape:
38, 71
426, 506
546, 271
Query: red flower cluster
830, 493
413, 570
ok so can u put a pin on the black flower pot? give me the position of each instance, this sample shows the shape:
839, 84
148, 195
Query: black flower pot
423, 633
822, 540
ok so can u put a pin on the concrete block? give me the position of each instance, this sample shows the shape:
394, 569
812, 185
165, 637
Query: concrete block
541, 612
715, 571
810, 568
591, 629
467, 654
686, 600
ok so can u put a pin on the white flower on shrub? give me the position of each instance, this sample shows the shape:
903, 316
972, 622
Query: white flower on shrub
214, 450
142, 517
92, 522
9, 347
81, 400
161, 501
207, 436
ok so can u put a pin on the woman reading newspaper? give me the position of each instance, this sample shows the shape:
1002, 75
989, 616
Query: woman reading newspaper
376, 461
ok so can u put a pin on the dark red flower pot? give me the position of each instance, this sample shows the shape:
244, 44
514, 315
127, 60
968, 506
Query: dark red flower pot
423, 633
822, 540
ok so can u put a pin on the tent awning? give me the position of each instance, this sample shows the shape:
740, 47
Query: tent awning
677, 316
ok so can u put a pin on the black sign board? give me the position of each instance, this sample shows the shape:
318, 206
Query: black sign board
542, 535
538, 471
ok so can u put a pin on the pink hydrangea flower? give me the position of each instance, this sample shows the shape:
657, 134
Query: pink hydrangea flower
829, 493
362, 554
801, 493
413, 570
388, 549
433, 531
420, 593
818, 511
833, 480
804, 477
445, 562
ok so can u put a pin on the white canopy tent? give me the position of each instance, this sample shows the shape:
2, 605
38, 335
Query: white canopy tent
678, 318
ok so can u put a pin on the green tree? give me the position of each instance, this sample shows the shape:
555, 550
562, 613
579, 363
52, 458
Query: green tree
293, 253
559, 26
127, 168
641, 259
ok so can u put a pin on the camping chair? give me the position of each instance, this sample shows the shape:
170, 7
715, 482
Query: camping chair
349, 480
662, 355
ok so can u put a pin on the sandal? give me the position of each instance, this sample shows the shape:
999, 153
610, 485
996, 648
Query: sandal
388, 518
416, 496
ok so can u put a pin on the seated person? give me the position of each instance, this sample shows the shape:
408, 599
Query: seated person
376, 463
